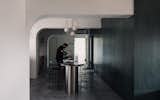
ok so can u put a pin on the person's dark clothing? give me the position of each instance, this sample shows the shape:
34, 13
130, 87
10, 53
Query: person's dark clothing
60, 55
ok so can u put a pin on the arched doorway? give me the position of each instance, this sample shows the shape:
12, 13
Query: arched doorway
84, 23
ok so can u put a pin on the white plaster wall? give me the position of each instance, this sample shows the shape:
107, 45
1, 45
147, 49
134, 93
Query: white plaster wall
14, 55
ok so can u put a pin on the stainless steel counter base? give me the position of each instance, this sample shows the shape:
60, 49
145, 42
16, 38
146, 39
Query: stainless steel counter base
71, 79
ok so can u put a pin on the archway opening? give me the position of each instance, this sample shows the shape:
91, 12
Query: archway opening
54, 23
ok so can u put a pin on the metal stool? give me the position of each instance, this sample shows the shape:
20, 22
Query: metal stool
56, 76
53, 73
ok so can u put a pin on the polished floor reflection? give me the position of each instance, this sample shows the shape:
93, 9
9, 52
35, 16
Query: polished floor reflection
91, 87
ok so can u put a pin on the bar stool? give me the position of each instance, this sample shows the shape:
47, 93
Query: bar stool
53, 76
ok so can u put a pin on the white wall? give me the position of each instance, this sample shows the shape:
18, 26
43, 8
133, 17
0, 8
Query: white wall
80, 50
14, 63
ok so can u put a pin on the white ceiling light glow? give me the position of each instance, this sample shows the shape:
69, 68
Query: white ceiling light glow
71, 26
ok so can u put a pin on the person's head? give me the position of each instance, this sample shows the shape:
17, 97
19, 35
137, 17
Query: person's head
65, 45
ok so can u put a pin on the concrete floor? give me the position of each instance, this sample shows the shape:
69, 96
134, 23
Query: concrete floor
91, 87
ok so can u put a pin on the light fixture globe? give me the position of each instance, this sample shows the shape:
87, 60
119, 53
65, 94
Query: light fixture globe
66, 29
74, 28
70, 27
72, 33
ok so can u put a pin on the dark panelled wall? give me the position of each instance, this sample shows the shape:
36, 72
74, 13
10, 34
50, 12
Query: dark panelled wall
147, 46
113, 54
127, 51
